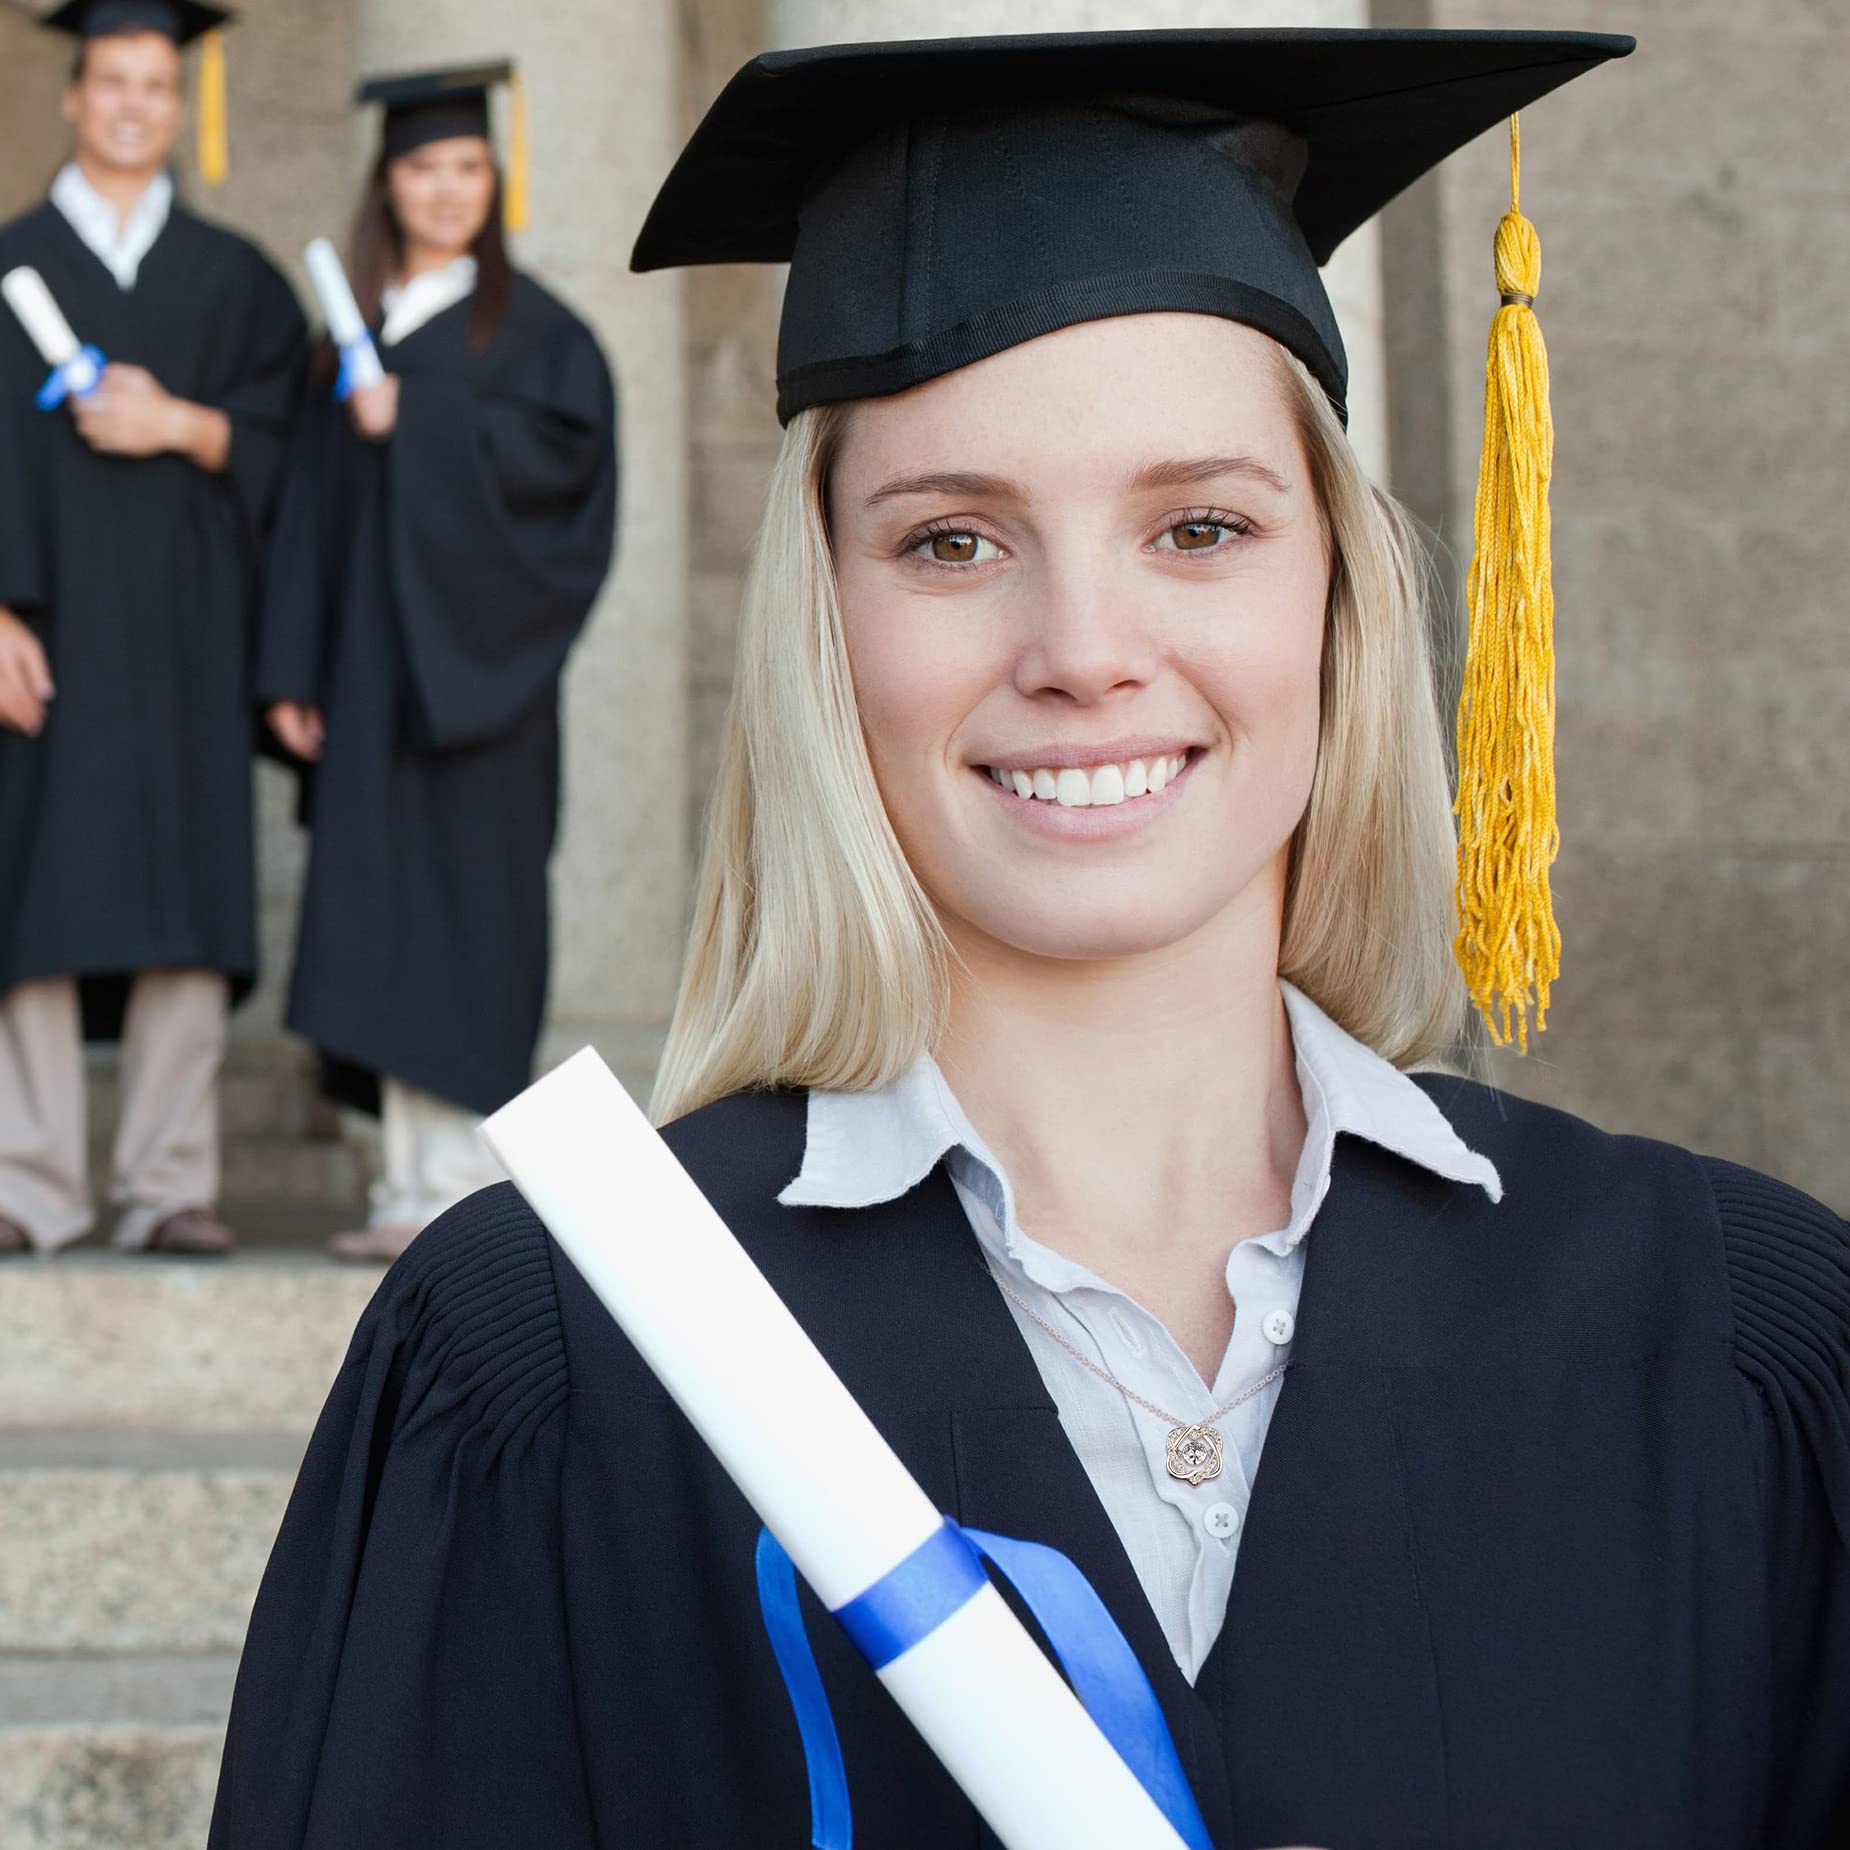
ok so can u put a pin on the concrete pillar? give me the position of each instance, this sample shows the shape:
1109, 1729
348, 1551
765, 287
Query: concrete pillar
1353, 277
603, 123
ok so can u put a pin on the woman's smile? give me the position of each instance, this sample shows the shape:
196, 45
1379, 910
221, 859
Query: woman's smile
1107, 794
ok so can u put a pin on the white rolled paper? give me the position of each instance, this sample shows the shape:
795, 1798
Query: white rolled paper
41, 317
808, 1459
346, 325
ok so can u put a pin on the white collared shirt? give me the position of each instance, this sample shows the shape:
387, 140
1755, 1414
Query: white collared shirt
120, 245
1182, 1540
409, 305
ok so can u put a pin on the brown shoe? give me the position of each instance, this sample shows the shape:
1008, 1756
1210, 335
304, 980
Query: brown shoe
13, 1237
195, 1232
372, 1245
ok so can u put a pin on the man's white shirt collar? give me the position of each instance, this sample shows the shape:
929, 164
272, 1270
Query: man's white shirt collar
866, 1147
119, 245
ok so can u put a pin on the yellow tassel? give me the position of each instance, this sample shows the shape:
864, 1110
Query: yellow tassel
214, 156
1509, 947
514, 196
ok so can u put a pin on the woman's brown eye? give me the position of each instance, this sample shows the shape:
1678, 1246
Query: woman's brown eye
953, 548
1196, 535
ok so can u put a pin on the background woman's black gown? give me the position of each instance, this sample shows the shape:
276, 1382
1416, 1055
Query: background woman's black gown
1547, 1548
424, 592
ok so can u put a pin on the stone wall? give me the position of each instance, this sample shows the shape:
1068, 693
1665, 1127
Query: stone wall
1694, 219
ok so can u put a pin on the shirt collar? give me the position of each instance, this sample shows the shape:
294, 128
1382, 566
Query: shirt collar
409, 305
866, 1147
119, 246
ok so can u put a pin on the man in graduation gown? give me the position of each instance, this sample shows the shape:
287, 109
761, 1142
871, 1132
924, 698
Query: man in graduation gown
128, 526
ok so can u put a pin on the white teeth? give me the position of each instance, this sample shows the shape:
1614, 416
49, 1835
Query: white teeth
1100, 786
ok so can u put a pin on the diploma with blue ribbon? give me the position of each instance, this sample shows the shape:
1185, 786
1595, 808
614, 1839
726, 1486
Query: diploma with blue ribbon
76, 368
359, 358
1049, 1767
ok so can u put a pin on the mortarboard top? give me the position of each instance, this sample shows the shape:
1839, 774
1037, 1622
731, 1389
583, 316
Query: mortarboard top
941, 200
422, 106
180, 20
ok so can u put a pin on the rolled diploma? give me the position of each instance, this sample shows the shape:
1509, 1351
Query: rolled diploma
810, 1462
346, 325
41, 317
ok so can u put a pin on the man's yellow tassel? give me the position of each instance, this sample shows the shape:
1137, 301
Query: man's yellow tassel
514, 195
214, 154
1509, 947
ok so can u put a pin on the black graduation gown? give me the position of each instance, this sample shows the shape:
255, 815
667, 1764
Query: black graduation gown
1547, 1546
125, 826
424, 592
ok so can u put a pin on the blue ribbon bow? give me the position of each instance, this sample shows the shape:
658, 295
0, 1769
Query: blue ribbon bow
78, 377
911, 1602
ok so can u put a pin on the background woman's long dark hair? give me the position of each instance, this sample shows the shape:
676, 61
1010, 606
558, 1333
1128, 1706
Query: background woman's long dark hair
375, 253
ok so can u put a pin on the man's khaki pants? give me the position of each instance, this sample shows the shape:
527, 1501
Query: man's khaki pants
165, 1155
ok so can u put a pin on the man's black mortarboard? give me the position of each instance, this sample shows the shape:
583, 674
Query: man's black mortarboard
426, 106
180, 20
939, 201
183, 21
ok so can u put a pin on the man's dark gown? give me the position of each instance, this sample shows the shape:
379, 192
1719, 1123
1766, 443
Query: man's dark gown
125, 826
1547, 1546
424, 592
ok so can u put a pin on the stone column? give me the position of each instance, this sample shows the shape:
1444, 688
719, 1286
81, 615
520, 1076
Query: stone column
1354, 273
603, 126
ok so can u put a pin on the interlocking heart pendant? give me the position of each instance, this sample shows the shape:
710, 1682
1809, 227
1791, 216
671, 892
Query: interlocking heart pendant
1194, 1453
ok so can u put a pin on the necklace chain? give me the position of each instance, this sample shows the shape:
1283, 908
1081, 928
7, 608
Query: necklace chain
1130, 1393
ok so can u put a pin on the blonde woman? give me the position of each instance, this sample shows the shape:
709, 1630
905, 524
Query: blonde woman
1072, 935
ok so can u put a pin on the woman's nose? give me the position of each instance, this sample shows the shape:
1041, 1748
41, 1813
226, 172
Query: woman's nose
1085, 640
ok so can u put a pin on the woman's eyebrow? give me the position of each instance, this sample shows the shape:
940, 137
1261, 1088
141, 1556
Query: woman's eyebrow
949, 482
1185, 471
1174, 472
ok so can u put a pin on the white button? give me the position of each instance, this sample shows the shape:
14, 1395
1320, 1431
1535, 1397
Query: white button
1220, 1520
1280, 1326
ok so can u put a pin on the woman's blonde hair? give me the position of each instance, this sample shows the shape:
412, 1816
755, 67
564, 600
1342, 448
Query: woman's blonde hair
816, 958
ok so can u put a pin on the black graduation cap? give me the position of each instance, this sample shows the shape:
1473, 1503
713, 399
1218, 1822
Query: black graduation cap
423, 106
941, 200
180, 20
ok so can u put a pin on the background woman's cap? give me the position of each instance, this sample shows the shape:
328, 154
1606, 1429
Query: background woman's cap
941, 200
424, 106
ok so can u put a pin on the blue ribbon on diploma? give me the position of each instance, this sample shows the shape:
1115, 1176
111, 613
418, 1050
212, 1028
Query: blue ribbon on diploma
911, 1602
350, 358
78, 377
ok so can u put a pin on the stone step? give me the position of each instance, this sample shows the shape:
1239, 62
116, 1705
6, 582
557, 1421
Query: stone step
147, 1554
267, 1089
108, 1786
149, 1344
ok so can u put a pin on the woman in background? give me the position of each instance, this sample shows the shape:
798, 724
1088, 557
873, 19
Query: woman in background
442, 537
